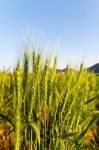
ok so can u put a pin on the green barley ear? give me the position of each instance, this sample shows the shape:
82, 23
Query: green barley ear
25, 71
67, 73
44, 81
54, 67
14, 80
2, 89
81, 68
34, 61
35, 79
52, 82
19, 106
25, 81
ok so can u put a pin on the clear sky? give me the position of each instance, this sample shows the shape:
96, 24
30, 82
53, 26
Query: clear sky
69, 28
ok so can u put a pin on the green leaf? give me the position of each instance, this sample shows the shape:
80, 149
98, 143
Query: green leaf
37, 130
90, 100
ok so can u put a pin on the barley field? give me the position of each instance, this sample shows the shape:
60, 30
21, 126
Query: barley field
43, 109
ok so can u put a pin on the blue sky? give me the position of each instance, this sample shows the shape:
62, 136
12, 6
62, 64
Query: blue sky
66, 28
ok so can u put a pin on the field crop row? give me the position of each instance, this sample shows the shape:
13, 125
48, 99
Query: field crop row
41, 109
